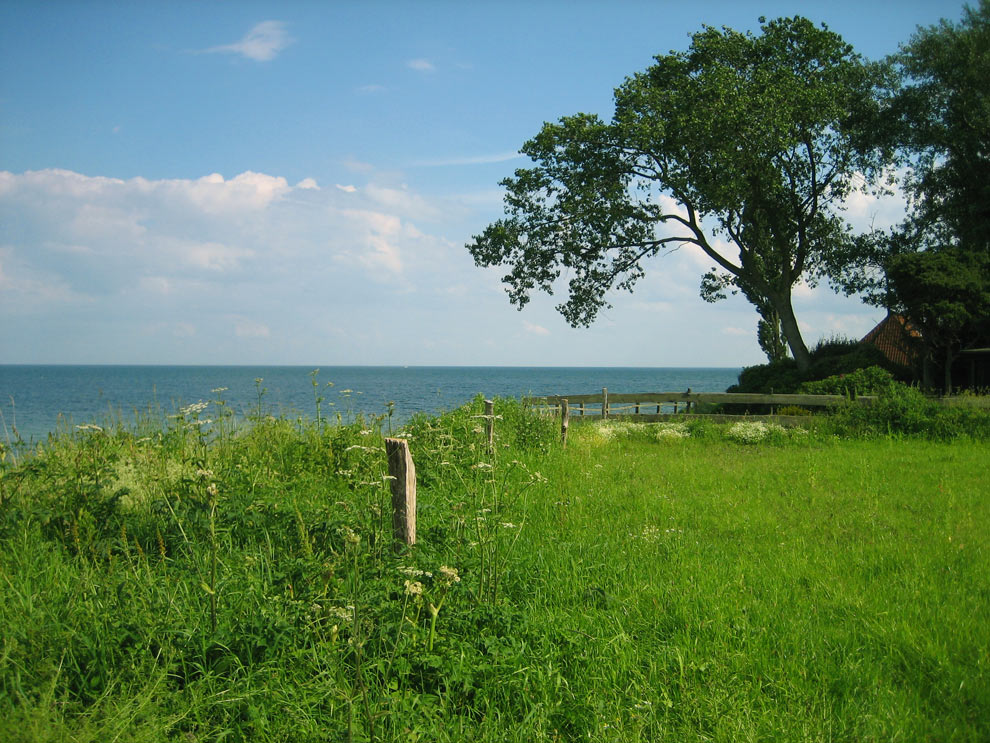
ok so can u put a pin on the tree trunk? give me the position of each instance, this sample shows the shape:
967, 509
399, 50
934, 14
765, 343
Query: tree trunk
789, 327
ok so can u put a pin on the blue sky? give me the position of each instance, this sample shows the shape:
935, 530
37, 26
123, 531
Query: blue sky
294, 182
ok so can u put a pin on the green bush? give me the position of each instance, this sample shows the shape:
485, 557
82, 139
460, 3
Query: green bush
781, 377
902, 410
872, 380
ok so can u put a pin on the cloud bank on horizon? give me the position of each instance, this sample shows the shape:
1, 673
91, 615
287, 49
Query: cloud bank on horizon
304, 211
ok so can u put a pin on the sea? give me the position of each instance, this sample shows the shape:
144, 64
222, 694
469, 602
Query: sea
38, 400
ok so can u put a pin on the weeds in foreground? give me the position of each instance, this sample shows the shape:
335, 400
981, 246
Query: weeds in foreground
671, 582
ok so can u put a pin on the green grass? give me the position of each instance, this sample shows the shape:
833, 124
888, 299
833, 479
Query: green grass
637, 585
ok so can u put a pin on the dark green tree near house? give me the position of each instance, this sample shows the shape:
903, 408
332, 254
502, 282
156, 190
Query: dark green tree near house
756, 139
946, 294
935, 267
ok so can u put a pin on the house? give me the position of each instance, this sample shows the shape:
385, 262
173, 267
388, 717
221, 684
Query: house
899, 341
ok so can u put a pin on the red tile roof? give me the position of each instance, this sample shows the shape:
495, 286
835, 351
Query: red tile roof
897, 338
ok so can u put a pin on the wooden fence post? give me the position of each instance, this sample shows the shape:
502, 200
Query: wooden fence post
403, 484
490, 423
604, 403
565, 420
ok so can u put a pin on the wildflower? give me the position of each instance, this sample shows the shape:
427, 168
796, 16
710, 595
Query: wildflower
414, 588
211, 490
349, 536
448, 576
509, 525
218, 390
481, 466
343, 613
414, 572
750, 432
672, 431
650, 534
195, 409
204, 474
89, 427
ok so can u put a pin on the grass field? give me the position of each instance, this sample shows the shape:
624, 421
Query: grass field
645, 583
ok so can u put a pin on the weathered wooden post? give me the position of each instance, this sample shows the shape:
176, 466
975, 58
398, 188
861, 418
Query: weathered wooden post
604, 403
403, 483
565, 420
490, 423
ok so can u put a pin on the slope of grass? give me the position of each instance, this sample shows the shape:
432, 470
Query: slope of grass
647, 583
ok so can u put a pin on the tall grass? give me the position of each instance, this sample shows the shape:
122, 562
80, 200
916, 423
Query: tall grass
647, 583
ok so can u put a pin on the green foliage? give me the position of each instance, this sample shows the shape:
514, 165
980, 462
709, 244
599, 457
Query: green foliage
831, 358
757, 135
869, 381
902, 410
946, 293
934, 267
945, 122
779, 377
241, 584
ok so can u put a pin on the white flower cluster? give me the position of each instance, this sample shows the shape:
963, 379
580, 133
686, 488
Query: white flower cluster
751, 432
195, 409
414, 572
666, 431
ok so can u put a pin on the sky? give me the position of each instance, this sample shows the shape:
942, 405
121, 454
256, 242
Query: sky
295, 182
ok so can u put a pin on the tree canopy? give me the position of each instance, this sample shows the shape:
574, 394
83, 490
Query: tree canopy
935, 267
755, 139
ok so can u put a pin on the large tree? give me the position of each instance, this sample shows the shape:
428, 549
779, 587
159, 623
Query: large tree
935, 267
944, 116
756, 138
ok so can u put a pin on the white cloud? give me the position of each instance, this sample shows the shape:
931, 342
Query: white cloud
534, 329
380, 240
405, 202
213, 194
213, 256
732, 330
262, 43
346, 189
420, 65
69, 236
866, 211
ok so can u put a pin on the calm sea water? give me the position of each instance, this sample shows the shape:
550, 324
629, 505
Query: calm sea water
39, 400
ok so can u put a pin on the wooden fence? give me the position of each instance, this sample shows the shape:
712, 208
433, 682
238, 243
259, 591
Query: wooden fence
662, 406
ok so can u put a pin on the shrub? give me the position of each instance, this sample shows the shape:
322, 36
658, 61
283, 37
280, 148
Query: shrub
904, 410
793, 410
872, 380
780, 377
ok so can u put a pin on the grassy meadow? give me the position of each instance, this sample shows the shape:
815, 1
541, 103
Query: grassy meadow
665, 582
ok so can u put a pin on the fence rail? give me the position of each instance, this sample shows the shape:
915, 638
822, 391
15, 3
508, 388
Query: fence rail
651, 406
